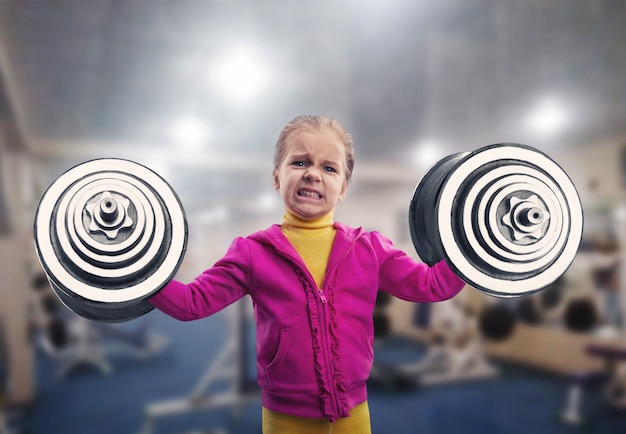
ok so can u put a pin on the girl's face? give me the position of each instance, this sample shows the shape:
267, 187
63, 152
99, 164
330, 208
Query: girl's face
311, 178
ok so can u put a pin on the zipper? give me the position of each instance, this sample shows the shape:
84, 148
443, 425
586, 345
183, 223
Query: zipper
322, 295
327, 350
323, 318
320, 291
334, 398
298, 260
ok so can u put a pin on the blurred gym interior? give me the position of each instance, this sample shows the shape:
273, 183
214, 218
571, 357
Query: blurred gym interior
198, 90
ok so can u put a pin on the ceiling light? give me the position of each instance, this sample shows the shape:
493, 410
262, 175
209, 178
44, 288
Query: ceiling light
241, 73
547, 117
427, 153
189, 131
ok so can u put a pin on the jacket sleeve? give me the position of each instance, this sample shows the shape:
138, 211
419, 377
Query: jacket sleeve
404, 277
213, 290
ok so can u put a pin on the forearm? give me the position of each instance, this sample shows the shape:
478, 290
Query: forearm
213, 290
417, 282
444, 282
187, 302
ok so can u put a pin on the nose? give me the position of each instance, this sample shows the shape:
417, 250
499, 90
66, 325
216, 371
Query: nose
312, 174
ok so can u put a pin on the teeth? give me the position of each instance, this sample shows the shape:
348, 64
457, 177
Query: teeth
309, 194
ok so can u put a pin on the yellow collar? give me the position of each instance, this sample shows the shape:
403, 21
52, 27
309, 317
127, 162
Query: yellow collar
290, 219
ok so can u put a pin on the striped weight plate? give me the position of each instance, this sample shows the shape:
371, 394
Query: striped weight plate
109, 234
509, 219
422, 221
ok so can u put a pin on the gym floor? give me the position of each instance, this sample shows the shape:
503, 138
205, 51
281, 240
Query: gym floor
89, 401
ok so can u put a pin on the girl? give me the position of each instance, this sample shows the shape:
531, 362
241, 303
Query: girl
313, 284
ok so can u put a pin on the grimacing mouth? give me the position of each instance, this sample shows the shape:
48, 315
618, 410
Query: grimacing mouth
309, 193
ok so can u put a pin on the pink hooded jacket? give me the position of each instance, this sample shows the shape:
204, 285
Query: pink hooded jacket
314, 345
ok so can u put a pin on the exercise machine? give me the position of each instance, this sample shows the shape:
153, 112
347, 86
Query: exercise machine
230, 365
455, 345
74, 341
613, 376
455, 351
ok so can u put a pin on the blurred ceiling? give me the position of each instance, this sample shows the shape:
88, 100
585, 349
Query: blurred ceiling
198, 90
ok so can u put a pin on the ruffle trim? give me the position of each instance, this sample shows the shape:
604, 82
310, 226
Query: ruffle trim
338, 378
316, 333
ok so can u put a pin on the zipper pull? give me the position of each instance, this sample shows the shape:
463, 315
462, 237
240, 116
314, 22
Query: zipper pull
322, 296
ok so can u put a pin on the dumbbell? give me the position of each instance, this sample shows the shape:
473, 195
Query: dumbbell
109, 234
506, 218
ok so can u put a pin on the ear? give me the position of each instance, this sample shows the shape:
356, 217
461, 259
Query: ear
276, 181
344, 190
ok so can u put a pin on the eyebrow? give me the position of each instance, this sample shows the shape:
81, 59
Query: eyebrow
331, 163
306, 156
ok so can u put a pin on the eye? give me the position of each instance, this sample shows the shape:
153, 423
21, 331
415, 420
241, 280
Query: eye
298, 163
330, 169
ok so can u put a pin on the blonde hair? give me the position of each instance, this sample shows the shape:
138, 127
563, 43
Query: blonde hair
314, 123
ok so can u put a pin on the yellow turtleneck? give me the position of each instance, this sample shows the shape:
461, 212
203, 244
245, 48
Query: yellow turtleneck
312, 240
